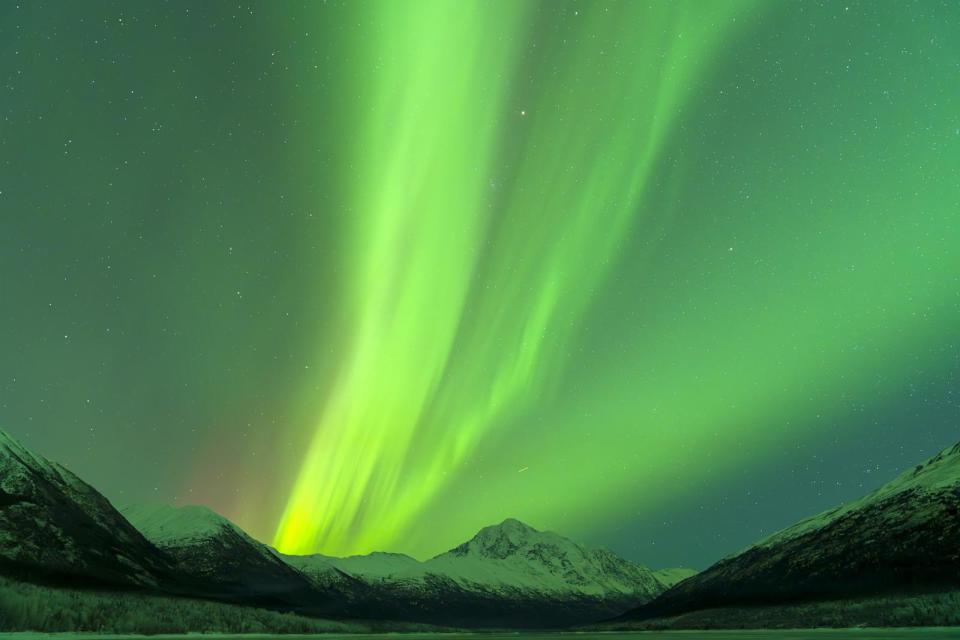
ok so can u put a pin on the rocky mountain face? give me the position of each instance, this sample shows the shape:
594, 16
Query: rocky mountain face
513, 554
222, 561
902, 538
53, 524
507, 575
56, 527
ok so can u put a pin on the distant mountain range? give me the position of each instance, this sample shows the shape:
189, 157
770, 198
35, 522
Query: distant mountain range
218, 559
52, 525
509, 574
901, 540
891, 558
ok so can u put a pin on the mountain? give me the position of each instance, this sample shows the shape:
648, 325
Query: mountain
370, 567
54, 525
507, 575
224, 562
515, 556
378, 564
903, 538
671, 577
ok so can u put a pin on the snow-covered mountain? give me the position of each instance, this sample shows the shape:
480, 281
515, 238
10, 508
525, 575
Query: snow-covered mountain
53, 523
902, 538
370, 567
507, 574
222, 560
513, 555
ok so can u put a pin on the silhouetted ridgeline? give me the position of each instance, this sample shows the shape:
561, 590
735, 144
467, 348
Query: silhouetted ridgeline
899, 545
73, 563
161, 568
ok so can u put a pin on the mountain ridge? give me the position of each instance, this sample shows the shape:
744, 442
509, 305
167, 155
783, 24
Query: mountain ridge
226, 562
896, 542
508, 574
898, 539
54, 524
940, 470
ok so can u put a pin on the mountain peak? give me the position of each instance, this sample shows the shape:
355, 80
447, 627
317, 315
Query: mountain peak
223, 560
384, 555
500, 540
512, 524
164, 524
11, 448
513, 554
58, 524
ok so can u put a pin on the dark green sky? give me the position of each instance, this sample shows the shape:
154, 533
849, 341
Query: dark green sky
370, 275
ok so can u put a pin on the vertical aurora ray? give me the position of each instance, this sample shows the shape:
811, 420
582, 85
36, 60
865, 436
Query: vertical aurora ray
423, 155
470, 277
805, 276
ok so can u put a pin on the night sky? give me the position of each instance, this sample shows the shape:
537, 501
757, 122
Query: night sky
659, 276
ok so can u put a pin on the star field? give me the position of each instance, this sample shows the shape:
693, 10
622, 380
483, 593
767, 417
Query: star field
371, 275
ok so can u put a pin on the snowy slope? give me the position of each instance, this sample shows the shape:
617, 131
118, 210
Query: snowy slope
226, 562
510, 555
52, 522
378, 564
942, 472
902, 538
373, 566
507, 574
516, 556
172, 527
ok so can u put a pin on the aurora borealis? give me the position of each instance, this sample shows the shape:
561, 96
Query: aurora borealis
371, 275
461, 318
